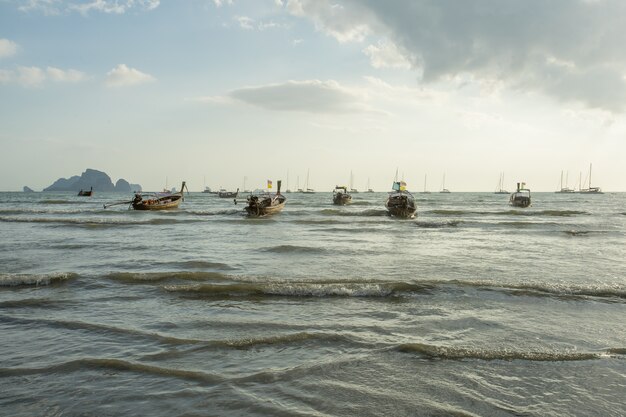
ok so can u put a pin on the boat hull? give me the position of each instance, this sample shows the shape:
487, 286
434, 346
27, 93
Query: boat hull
520, 201
342, 199
258, 208
158, 204
402, 207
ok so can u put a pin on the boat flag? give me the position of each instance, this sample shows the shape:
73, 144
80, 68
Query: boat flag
269, 184
402, 186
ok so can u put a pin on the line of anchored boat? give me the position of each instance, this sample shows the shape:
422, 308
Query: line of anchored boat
399, 203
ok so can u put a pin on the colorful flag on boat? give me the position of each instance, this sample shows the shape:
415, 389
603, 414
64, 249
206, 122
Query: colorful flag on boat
269, 184
402, 186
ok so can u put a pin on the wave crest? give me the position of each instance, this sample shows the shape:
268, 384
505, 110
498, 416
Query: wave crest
17, 280
458, 353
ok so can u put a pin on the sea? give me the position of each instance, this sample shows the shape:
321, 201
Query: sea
473, 308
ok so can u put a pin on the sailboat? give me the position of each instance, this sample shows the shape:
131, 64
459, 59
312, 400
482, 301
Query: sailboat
500, 189
565, 189
307, 190
590, 189
245, 190
425, 190
369, 190
352, 189
443, 185
287, 190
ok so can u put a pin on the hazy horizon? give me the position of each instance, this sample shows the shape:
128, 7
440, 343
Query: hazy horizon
148, 90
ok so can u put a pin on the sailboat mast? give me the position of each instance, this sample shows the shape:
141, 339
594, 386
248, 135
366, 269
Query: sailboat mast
590, 176
425, 175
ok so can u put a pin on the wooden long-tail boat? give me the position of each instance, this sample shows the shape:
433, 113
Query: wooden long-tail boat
86, 193
341, 196
265, 204
155, 201
400, 202
160, 201
521, 197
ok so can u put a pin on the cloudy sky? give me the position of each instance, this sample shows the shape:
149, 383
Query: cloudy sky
219, 90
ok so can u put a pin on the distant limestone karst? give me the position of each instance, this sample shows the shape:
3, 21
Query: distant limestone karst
28, 189
95, 179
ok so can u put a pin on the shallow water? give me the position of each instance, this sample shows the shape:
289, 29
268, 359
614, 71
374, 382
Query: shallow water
472, 308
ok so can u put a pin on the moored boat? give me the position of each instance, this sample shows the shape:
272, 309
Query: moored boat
222, 193
86, 193
590, 189
400, 202
521, 197
155, 201
341, 196
264, 204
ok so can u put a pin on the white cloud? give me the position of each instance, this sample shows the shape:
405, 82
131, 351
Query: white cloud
35, 76
123, 75
30, 76
55, 7
569, 50
220, 3
312, 96
7, 48
386, 55
245, 22
70, 75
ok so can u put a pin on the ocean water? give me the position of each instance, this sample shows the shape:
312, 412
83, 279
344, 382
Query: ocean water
472, 308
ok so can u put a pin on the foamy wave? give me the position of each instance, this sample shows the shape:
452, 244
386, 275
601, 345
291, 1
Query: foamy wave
113, 365
564, 290
458, 353
300, 289
16, 280
92, 223
148, 277
293, 249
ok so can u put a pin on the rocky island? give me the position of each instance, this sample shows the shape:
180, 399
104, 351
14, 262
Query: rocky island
99, 180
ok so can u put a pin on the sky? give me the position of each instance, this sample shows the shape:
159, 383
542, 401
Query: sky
215, 91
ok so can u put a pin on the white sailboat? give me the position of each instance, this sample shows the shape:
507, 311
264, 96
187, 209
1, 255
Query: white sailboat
288, 190
425, 190
369, 190
565, 189
590, 189
443, 185
352, 189
500, 189
307, 190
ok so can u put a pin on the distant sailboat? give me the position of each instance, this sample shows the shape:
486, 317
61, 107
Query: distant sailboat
352, 189
565, 189
500, 189
307, 190
369, 190
443, 185
425, 190
287, 190
590, 189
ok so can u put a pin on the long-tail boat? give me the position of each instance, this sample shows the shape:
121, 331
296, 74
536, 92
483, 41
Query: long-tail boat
400, 202
265, 203
155, 201
521, 197
341, 196
86, 193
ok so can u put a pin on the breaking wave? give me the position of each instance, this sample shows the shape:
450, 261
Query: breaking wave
553, 213
293, 249
113, 365
438, 225
300, 289
459, 353
17, 280
91, 223
149, 277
